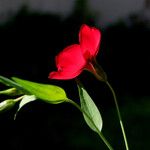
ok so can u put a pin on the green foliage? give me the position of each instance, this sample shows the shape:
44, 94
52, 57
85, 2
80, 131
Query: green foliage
11, 83
91, 113
48, 93
29, 92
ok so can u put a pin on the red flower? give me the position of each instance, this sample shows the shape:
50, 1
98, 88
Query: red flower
75, 58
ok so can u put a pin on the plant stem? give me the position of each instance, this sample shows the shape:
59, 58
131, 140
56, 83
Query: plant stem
99, 132
119, 115
19, 98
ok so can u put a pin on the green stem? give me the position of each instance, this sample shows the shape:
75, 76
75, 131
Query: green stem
19, 98
119, 115
99, 133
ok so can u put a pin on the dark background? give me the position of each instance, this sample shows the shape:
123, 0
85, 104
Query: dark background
29, 42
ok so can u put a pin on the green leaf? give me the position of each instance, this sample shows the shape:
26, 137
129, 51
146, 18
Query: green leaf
49, 93
11, 83
25, 100
88, 106
6, 105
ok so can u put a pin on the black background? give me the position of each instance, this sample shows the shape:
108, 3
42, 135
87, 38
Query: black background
29, 43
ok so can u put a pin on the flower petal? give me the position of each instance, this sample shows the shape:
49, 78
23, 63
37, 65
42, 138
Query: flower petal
89, 38
70, 63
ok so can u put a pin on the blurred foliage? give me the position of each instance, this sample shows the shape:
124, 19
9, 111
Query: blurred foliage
29, 43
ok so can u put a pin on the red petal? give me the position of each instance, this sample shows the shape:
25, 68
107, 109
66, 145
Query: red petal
70, 63
89, 38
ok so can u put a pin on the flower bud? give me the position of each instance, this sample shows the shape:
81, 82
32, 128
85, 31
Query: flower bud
11, 92
7, 104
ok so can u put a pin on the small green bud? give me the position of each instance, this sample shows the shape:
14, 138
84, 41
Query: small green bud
6, 105
11, 92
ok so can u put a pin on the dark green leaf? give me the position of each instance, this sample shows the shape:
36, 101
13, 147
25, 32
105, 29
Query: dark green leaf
94, 120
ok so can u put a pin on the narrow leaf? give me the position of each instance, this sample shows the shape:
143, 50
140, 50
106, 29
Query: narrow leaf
49, 93
94, 120
25, 100
11, 83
